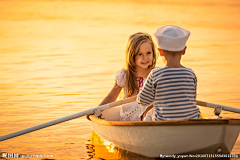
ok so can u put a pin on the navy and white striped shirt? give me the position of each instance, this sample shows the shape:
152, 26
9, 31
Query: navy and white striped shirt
173, 93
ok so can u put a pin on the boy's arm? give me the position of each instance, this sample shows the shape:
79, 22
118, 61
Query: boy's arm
147, 95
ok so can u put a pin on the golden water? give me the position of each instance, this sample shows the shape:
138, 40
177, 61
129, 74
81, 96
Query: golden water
59, 57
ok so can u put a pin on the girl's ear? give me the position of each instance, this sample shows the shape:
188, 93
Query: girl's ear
160, 51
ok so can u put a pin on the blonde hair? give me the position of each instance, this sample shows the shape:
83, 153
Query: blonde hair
132, 49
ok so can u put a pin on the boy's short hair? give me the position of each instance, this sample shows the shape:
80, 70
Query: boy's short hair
172, 38
172, 53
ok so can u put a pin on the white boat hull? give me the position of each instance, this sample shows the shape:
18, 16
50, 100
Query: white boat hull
196, 136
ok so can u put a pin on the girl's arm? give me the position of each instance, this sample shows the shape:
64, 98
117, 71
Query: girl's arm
112, 95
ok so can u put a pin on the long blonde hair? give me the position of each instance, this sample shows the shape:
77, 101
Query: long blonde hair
132, 49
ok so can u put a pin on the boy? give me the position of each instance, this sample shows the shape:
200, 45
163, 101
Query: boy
172, 89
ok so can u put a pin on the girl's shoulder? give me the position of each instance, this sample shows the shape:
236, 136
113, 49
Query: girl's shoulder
120, 77
122, 72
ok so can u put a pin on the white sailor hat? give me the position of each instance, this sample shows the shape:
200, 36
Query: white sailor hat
172, 38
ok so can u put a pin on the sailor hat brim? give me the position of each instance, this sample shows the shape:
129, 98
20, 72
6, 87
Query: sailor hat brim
172, 38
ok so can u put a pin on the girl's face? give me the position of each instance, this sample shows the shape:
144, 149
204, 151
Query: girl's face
144, 57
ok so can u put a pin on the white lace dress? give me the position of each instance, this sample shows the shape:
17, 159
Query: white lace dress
131, 111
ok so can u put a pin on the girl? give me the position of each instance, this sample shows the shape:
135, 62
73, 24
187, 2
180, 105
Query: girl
139, 61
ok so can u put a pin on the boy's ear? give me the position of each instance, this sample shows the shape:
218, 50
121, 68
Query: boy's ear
184, 50
160, 51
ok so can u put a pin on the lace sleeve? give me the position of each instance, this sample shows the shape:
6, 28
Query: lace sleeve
120, 78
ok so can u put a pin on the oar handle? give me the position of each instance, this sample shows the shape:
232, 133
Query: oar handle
212, 105
124, 101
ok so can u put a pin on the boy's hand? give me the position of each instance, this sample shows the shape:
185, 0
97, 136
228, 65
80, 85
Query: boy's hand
144, 114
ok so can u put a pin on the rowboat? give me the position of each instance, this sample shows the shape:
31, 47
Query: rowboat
156, 138
173, 137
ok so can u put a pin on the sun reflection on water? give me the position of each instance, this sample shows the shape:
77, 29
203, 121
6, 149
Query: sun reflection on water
101, 148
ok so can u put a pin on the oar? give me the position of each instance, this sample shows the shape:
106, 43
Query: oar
67, 118
101, 108
216, 106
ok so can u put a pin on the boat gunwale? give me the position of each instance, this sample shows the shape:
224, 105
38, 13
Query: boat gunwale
222, 121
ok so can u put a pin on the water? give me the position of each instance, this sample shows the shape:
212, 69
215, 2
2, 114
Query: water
58, 58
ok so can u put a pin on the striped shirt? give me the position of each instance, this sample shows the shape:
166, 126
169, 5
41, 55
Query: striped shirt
173, 93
